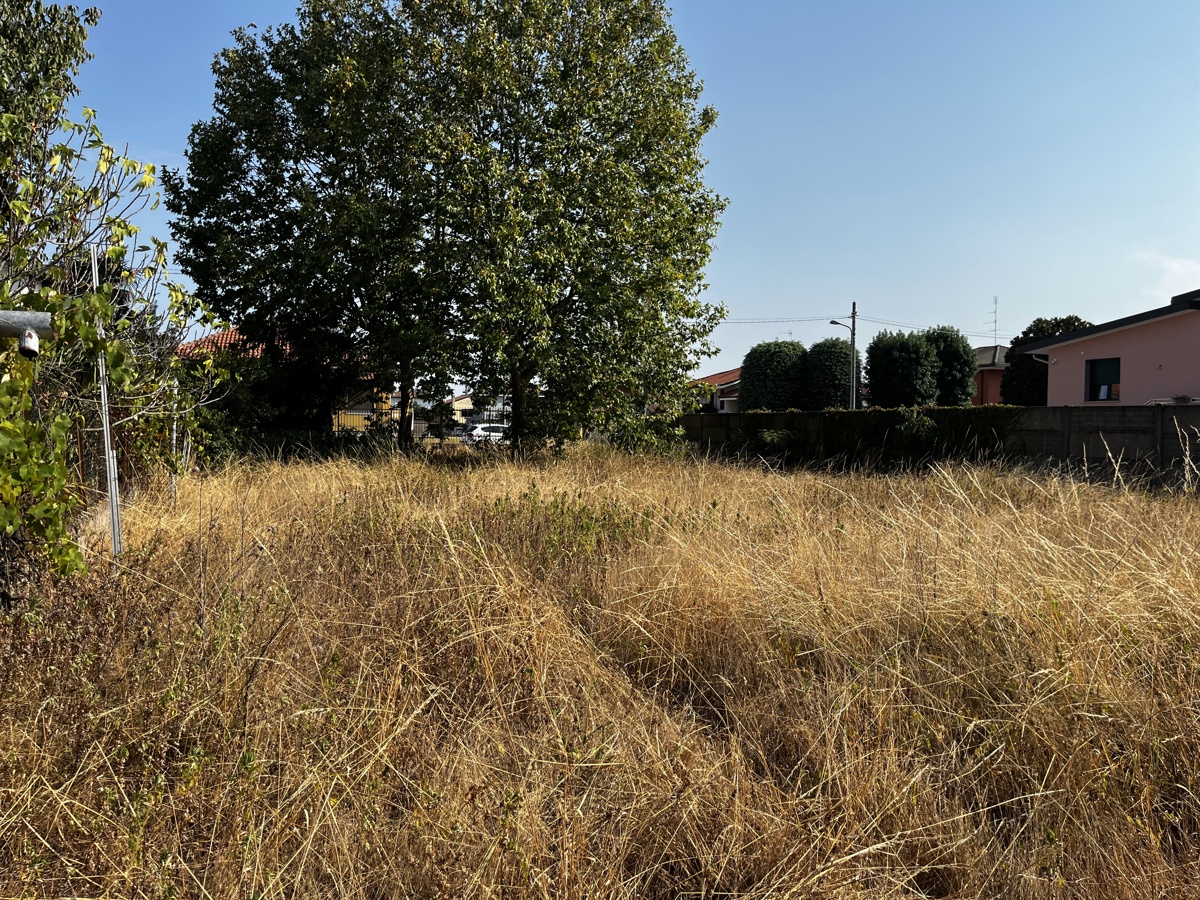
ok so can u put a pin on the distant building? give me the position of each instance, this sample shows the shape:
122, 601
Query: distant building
1141, 359
989, 368
228, 341
724, 390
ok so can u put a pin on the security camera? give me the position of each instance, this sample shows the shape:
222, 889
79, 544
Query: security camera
27, 344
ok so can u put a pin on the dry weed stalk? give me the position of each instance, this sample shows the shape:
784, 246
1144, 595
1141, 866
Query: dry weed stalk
608, 677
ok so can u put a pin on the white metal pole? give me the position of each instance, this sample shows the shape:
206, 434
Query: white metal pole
174, 439
110, 456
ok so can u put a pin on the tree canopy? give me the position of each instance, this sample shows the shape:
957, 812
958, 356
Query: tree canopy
505, 193
1024, 382
956, 365
827, 375
772, 377
901, 370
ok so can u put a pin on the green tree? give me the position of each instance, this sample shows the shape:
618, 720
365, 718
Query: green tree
313, 211
591, 222
901, 370
956, 365
1024, 382
772, 377
827, 375
505, 191
64, 192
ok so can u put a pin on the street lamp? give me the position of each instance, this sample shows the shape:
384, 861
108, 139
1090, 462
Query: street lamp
853, 353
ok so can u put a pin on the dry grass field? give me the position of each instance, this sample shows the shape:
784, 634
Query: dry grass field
611, 677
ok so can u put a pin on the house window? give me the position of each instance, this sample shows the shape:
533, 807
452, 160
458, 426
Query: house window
722, 405
1104, 379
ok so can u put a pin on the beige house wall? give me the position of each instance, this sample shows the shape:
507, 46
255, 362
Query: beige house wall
1160, 359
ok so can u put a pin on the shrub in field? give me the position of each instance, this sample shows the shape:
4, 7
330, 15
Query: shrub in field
65, 195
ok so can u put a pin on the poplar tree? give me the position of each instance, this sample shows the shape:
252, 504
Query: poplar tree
310, 215
508, 192
591, 221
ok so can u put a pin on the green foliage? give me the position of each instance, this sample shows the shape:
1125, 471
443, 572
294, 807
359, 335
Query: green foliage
773, 376
901, 370
503, 192
882, 437
1024, 382
34, 496
63, 191
827, 375
956, 365
313, 215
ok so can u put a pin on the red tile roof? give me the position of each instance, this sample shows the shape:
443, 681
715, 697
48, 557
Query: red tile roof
226, 341
719, 378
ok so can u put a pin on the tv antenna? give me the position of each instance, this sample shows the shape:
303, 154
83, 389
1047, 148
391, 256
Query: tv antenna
995, 320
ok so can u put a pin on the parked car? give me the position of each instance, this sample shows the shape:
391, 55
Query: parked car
486, 434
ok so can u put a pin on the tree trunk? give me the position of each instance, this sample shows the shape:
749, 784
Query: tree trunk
518, 429
404, 423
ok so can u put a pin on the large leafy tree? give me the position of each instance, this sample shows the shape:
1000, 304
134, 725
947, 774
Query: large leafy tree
901, 370
312, 214
827, 375
773, 377
1025, 381
507, 190
63, 193
956, 365
592, 223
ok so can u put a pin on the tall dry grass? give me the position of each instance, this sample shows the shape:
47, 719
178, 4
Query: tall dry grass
609, 677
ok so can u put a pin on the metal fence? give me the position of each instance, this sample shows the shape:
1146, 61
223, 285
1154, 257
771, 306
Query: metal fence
365, 418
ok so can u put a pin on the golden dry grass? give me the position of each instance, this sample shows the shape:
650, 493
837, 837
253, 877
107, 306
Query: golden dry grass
609, 677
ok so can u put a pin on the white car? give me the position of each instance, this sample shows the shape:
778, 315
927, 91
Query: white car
486, 434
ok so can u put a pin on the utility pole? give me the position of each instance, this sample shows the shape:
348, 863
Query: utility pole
853, 355
853, 326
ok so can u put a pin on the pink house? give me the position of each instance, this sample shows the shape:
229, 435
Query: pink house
989, 369
1151, 357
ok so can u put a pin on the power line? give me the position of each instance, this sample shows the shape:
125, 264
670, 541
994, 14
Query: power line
775, 321
911, 325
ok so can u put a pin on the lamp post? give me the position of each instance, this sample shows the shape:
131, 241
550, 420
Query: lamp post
853, 353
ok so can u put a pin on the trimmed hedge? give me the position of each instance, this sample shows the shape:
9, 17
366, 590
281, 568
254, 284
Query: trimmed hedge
880, 437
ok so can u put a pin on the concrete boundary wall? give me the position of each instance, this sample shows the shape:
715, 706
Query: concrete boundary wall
1158, 434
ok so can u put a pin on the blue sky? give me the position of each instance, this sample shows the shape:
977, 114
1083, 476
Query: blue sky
916, 156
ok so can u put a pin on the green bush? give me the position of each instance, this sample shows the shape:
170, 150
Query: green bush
827, 375
956, 365
772, 376
880, 437
902, 370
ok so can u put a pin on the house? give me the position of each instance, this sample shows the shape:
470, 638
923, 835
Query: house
462, 408
989, 369
357, 415
723, 396
227, 341
1141, 359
